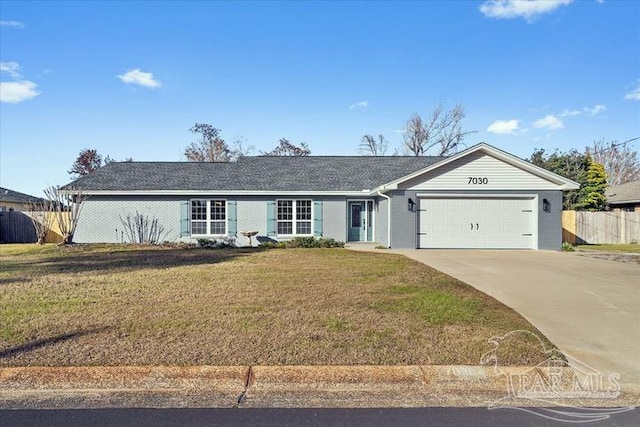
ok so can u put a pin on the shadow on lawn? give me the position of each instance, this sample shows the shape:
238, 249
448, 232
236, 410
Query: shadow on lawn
119, 261
36, 344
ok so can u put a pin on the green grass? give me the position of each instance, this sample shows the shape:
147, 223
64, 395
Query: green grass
610, 247
433, 306
135, 305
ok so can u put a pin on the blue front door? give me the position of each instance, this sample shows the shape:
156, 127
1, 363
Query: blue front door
357, 221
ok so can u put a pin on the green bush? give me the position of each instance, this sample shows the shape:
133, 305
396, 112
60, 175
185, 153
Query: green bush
225, 242
304, 242
567, 247
179, 245
312, 242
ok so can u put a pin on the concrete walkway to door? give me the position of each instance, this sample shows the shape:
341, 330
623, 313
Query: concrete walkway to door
589, 308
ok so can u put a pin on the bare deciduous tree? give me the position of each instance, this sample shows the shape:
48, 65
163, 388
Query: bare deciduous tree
371, 146
41, 214
240, 150
620, 162
286, 148
210, 147
66, 206
143, 230
441, 133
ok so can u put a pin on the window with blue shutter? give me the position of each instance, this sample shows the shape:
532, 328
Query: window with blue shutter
317, 218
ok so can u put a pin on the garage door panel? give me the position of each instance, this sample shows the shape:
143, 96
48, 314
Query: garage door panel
499, 223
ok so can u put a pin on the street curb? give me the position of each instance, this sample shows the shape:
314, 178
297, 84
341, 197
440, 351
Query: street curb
274, 386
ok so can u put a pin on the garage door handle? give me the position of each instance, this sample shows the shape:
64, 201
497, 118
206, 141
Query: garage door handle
472, 226
477, 226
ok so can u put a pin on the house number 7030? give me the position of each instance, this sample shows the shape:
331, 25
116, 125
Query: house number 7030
478, 180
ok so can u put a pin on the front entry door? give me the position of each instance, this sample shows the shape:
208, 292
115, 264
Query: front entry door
360, 221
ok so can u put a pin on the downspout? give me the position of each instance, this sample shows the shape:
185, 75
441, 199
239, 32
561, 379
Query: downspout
388, 217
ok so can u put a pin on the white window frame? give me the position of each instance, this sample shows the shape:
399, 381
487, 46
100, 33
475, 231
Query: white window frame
208, 219
294, 219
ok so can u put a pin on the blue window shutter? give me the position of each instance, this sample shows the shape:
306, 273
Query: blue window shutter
271, 218
232, 217
184, 218
317, 218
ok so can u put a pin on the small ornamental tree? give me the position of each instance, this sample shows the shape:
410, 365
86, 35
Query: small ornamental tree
41, 214
66, 206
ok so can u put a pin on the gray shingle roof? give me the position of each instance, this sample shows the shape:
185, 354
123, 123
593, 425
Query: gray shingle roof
313, 173
624, 193
7, 195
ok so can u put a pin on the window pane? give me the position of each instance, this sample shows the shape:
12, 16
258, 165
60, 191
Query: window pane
218, 210
198, 227
285, 227
285, 210
303, 227
198, 210
303, 210
355, 216
218, 227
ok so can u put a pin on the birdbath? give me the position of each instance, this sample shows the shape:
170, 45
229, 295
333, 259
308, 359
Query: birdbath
249, 235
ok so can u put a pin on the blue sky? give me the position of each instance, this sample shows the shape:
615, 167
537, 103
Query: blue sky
129, 79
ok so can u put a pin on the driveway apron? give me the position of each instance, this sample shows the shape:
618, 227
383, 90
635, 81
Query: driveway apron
589, 308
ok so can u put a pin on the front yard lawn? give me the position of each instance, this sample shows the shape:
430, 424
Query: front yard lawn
128, 305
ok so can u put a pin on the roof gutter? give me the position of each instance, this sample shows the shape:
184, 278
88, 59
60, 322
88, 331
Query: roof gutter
379, 193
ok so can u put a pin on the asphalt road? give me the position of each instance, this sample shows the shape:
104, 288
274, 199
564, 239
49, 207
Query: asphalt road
317, 417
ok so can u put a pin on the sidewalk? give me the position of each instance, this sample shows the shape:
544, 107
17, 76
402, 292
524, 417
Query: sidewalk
278, 386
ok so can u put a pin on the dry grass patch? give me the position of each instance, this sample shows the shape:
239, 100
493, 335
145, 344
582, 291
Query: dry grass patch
128, 305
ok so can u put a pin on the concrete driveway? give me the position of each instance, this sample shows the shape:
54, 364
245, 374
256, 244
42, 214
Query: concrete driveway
589, 308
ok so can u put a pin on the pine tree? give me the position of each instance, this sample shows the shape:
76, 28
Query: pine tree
594, 198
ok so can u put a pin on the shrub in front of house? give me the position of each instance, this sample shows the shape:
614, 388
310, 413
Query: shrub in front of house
312, 242
226, 242
303, 242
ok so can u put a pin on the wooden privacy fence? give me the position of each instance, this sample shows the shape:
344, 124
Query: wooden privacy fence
580, 227
17, 227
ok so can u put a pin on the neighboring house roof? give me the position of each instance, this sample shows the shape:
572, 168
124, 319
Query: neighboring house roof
307, 174
263, 173
10, 196
624, 193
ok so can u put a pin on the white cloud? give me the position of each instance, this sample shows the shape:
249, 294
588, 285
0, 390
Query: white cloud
527, 9
15, 92
10, 68
597, 109
138, 77
15, 24
569, 113
587, 111
550, 122
634, 95
503, 127
361, 104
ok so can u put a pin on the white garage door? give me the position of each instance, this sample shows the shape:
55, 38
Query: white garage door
491, 223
